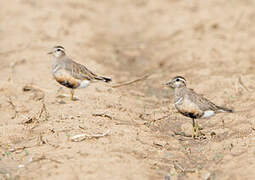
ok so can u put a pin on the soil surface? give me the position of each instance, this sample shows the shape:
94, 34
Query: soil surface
133, 131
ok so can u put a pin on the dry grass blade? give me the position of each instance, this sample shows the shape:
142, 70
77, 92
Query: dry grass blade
43, 110
242, 84
178, 166
31, 87
148, 123
42, 114
181, 134
131, 82
102, 115
15, 63
43, 157
81, 137
13, 107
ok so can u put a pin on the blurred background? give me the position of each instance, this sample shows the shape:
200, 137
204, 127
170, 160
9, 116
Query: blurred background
210, 43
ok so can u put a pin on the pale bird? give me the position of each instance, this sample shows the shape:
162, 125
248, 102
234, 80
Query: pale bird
71, 74
191, 104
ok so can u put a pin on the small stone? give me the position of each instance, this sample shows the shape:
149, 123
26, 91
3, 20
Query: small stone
220, 132
167, 177
213, 134
61, 102
207, 176
21, 166
160, 143
187, 129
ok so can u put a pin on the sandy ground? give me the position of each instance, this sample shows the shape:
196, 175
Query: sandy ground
133, 132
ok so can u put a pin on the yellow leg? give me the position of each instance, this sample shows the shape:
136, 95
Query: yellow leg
72, 93
193, 128
197, 129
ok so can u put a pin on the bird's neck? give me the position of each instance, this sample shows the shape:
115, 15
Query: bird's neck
179, 92
57, 61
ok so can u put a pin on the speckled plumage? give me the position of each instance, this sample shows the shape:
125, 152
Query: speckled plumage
70, 73
191, 104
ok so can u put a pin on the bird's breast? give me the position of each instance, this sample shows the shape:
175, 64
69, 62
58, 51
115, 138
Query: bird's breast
189, 108
66, 79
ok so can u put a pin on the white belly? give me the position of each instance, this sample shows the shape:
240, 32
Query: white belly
208, 114
84, 83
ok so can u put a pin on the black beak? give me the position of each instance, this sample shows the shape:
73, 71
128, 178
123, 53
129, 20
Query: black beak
169, 84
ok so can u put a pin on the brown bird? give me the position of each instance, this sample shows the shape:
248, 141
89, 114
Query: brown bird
191, 104
70, 73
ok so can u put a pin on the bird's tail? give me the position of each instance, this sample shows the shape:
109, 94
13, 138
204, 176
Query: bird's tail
105, 79
223, 109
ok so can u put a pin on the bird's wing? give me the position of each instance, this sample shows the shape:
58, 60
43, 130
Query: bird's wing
79, 71
203, 103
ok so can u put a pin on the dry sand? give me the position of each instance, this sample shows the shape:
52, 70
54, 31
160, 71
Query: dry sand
211, 43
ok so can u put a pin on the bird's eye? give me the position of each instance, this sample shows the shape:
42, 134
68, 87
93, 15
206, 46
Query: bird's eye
177, 80
58, 49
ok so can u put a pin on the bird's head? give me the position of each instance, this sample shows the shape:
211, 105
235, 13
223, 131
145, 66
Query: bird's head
177, 82
58, 51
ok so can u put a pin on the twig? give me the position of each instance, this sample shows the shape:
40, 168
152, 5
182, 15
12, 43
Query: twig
40, 140
131, 82
163, 117
179, 167
54, 160
45, 141
30, 87
102, 115
81, 137
242, 84
82, 128
202, 136
182, 134
42, 114
41, 157
183, 170
148, 123
17, 149
13, 107
43, 109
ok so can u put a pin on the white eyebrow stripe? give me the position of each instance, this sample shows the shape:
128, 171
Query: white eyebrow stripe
181, 79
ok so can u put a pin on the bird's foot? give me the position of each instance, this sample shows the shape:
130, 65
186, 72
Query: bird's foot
61, 96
